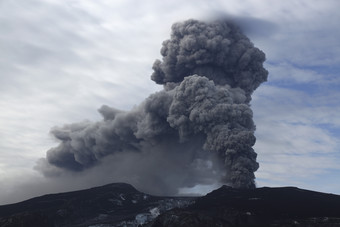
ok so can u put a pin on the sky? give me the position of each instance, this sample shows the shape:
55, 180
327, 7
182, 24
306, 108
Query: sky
62, 60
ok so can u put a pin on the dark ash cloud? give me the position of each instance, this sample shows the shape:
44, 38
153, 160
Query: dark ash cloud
218, 51
197, 130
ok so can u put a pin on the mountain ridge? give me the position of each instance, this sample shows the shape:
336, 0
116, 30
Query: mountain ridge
280, 206
120, 204
111, 203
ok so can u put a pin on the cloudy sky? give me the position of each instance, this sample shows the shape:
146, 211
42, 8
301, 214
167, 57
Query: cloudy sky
61, 60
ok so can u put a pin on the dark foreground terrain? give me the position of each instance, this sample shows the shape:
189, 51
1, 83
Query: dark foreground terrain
122, 205
287, 206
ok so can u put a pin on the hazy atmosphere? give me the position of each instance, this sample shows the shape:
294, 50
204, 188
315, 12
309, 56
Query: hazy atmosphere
77, 70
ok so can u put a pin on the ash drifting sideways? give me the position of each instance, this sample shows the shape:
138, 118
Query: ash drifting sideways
198, 130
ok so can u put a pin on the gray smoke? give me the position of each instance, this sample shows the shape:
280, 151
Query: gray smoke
218, 51
199, 128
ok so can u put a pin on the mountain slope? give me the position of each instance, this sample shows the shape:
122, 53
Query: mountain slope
287, 206
121, 204
114, 204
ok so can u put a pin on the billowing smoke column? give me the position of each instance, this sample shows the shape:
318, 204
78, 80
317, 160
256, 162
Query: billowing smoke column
209, 71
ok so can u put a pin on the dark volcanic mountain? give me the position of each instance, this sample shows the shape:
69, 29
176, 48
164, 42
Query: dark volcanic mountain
115, 204
122, 205
287, 206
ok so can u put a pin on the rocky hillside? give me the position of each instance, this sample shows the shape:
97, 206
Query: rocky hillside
287, 206
122, 205
116, 204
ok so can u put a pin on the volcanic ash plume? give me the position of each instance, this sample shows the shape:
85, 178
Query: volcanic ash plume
182, 134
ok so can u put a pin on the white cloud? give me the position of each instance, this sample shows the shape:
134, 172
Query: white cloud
285, 72
297, 129
300, 105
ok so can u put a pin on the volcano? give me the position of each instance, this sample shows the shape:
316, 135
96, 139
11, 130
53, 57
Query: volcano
120, 204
